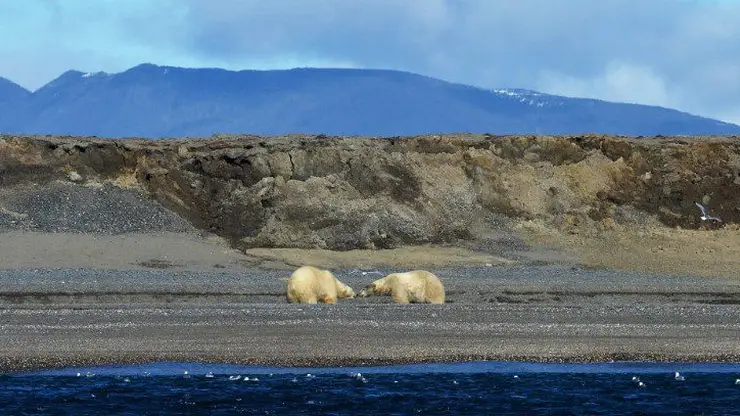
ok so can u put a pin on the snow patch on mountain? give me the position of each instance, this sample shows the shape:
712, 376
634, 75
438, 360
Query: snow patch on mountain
533, 98
93, 74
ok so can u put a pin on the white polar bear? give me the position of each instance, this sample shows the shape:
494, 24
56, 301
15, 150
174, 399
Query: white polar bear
311, 285
417, 286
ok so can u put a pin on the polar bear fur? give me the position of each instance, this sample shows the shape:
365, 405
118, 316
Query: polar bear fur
311, 285
417, 286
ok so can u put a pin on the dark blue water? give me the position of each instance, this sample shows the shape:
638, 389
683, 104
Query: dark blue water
462, 389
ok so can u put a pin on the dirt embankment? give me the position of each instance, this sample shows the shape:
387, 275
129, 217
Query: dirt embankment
373, 193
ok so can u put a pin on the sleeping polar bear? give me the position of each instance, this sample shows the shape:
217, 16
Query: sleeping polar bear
311, 285
417, 286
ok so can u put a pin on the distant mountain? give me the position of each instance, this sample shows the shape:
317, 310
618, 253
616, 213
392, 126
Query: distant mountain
11, 91
11, 94
158, 101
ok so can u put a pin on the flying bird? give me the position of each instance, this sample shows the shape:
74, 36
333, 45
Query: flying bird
704, 215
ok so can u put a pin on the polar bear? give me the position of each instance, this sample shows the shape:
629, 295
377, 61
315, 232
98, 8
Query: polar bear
417, 286
311, 285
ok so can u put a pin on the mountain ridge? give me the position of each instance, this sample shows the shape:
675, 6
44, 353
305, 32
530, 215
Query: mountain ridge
150, 100
10, 94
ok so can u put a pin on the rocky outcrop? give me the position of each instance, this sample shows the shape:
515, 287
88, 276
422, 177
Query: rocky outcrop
347, 193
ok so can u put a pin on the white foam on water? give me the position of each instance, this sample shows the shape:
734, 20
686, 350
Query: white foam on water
516, 369
358, 377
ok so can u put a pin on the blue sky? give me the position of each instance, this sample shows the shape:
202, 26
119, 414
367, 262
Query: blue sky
682, 54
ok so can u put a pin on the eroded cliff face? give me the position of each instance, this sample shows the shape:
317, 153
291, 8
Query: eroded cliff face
347, 193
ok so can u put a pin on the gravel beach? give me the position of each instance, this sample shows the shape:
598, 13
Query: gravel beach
64, 317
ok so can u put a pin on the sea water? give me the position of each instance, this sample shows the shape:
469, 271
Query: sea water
621, 388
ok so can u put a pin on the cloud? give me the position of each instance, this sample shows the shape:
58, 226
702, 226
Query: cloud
678, 53
619, 82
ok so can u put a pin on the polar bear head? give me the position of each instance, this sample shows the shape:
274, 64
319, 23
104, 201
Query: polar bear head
376, 287
344, 291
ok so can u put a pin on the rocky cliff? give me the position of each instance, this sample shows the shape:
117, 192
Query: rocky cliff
347, 193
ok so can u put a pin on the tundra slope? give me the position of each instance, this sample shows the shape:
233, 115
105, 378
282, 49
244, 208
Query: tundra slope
352, 193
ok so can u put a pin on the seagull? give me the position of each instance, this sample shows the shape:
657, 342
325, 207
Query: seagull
704, 215
678, 376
